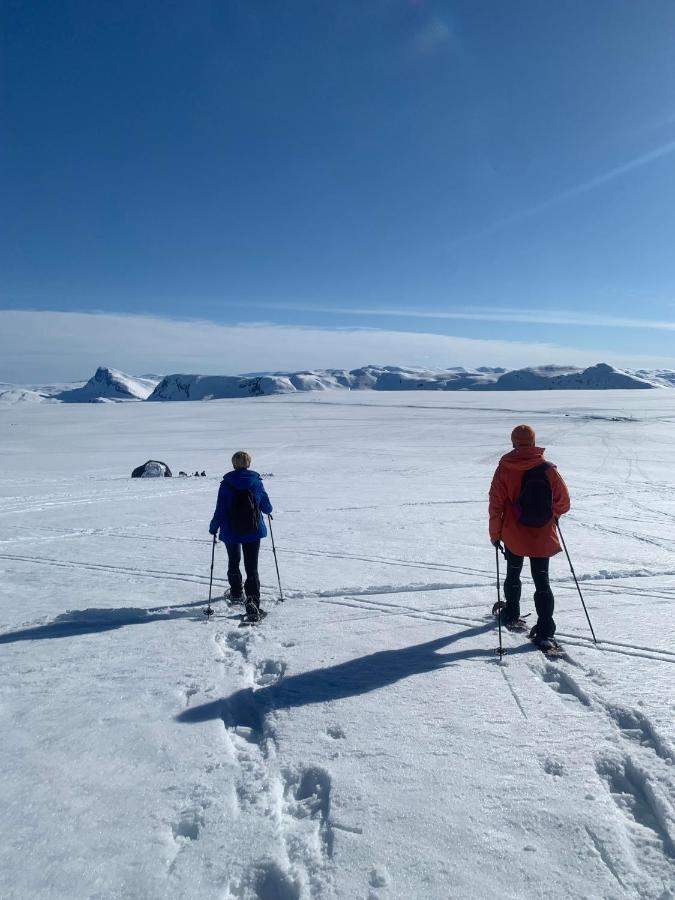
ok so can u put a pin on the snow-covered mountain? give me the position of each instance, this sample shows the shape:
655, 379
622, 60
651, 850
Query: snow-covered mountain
12, 393
396, 378
377, 378
105, 386
663, 377
566, 378
109, 384
112, 385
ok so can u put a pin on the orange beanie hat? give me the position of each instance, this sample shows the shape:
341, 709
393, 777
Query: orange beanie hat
523, 436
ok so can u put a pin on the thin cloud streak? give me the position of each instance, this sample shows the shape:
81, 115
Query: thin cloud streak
571, 193
486, 314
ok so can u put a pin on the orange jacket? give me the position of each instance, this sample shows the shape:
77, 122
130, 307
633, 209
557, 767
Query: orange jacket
504, 492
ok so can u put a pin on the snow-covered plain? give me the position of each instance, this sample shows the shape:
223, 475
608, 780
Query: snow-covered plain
364, 742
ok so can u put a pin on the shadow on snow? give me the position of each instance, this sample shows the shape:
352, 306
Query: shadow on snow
92, 621
347, 679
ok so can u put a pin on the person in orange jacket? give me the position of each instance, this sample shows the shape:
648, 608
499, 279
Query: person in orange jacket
527, 496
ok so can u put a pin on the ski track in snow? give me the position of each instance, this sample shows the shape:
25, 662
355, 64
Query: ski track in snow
49, 502
355, 599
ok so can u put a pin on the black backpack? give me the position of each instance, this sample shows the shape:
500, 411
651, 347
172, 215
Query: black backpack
534, 506
244, 512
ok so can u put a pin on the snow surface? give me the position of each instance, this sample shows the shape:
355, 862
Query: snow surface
364, 742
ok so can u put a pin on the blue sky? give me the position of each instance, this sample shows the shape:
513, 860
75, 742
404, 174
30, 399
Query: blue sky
490, 172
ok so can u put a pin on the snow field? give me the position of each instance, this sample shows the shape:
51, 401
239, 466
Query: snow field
364, 742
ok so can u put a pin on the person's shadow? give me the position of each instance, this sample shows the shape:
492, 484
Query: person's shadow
93, 620
248, 707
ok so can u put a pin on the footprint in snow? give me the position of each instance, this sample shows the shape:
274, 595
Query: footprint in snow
265, 881
554, 766
335, 732
238, 642
564, 684
637, 798
308, 797
189, 825
269, 671
243, 716
189, 692
379, 879
635, 726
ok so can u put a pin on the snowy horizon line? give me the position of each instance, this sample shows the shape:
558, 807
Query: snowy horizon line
550, 368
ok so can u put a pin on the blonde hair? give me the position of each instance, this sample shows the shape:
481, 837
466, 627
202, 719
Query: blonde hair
241, 460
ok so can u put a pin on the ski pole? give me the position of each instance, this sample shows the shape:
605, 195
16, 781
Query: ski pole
500, 650
276, 563
574, 575
208, 611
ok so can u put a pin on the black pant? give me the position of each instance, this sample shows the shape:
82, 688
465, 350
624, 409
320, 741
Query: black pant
252, 584
543, 597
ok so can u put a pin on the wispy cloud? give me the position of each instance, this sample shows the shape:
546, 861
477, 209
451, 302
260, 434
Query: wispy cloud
486, 314
38, 346
571, 193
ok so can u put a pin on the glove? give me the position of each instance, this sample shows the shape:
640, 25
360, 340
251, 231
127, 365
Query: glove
498, 546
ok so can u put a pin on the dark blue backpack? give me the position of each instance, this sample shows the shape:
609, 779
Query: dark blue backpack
244, 512
534, 506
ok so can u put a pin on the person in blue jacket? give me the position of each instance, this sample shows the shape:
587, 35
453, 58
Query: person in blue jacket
241, 501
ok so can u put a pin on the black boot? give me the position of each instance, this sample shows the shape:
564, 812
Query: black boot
252, 609
512, 590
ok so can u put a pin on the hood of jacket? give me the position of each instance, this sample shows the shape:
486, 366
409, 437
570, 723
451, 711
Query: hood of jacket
241, 479
523, 458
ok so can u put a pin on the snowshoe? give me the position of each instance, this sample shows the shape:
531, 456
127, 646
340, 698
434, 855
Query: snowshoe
547, 644
551, 648
252, 610
258, 615
235, 598
517, 624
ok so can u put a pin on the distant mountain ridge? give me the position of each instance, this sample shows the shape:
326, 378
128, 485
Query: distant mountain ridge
111, 385
376, 378
395, 378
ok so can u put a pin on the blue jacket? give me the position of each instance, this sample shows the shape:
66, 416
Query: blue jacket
240, 479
